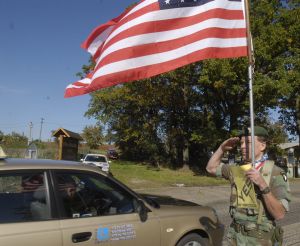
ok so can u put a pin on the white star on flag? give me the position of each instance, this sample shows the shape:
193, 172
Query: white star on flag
167, 1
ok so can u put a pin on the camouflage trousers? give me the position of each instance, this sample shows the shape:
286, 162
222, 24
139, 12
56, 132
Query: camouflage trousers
240, 239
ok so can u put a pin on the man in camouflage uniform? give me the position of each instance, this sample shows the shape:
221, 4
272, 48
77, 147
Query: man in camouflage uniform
260, 194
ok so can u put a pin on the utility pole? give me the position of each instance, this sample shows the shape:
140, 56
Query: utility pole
30, 130
42, 122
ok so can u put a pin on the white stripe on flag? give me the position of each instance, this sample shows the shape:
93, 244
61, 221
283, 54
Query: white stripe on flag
170, 35
99, 40
168, 56
175, 13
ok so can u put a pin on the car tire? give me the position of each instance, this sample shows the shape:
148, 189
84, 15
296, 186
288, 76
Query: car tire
193, 239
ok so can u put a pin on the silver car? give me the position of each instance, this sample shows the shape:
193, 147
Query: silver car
97, 160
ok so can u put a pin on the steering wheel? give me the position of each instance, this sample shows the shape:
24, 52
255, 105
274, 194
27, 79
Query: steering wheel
102, 205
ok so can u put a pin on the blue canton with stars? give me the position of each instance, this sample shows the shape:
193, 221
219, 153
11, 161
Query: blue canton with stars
171, 4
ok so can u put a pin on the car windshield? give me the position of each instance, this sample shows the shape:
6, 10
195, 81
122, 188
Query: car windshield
95, 158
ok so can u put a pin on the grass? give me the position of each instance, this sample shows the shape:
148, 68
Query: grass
294, 180
137, 175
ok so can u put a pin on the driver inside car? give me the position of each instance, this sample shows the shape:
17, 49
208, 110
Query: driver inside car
74, 203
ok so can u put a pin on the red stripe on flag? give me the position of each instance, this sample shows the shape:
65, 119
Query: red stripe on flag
147, 9
134, 15
149, 71
148, 49
100, 29
73, 92
176, 23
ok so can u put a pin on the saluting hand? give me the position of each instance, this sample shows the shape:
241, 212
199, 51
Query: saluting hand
229, 144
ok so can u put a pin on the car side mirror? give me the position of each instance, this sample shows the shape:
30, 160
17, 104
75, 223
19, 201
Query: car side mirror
81, 160
109, 162
142, 210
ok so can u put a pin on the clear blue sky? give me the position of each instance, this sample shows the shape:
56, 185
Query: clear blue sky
40, 55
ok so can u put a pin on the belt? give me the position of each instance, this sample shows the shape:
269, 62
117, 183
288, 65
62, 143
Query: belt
245, 211
251, 231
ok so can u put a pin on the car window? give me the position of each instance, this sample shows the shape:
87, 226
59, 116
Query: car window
87, 195
95, 158
23, 197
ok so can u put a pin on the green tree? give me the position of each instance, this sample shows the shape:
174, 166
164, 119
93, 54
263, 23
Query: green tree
15, 140
93, 136
132, 117
276, 27
1, 136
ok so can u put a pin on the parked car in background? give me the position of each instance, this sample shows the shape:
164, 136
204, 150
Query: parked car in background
97, 160
63, 203
112, 154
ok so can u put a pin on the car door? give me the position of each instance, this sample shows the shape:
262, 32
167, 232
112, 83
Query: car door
95, 209
26, 214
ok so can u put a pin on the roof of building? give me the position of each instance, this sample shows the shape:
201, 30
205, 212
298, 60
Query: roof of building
288, 145
67, 133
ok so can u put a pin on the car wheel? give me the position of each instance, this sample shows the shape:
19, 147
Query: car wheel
193, 239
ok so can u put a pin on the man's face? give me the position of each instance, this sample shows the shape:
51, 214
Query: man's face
246, 148
71, 190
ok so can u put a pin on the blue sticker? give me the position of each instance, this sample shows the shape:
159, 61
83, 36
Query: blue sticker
103, 234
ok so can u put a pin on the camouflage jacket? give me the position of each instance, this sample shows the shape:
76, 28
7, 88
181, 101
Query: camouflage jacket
279, 187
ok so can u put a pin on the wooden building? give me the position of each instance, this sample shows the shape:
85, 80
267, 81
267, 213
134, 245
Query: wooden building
68, 143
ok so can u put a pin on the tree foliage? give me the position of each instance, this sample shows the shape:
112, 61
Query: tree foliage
276, 28
1, 136
93, 136
14, 140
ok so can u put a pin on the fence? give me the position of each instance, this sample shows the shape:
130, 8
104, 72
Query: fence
41, 153
45, 153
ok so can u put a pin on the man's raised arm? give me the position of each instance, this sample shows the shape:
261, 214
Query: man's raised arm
216, 158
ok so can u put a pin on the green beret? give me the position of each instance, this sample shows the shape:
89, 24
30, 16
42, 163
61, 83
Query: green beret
258, 131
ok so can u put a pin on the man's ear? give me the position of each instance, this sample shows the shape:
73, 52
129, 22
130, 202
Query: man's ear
263, 146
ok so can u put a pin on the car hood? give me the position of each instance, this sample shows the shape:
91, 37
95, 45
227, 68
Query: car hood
158, 200
95, 162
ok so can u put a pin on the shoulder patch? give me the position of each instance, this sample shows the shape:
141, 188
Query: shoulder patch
284, 176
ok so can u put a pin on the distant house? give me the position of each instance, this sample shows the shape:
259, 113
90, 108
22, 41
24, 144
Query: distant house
287, 146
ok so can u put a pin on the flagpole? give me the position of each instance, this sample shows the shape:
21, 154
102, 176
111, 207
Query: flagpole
250, 78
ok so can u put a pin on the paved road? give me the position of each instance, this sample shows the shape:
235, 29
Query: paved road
218, 197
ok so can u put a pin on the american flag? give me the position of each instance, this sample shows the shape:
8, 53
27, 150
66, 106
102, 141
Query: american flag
157, 36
